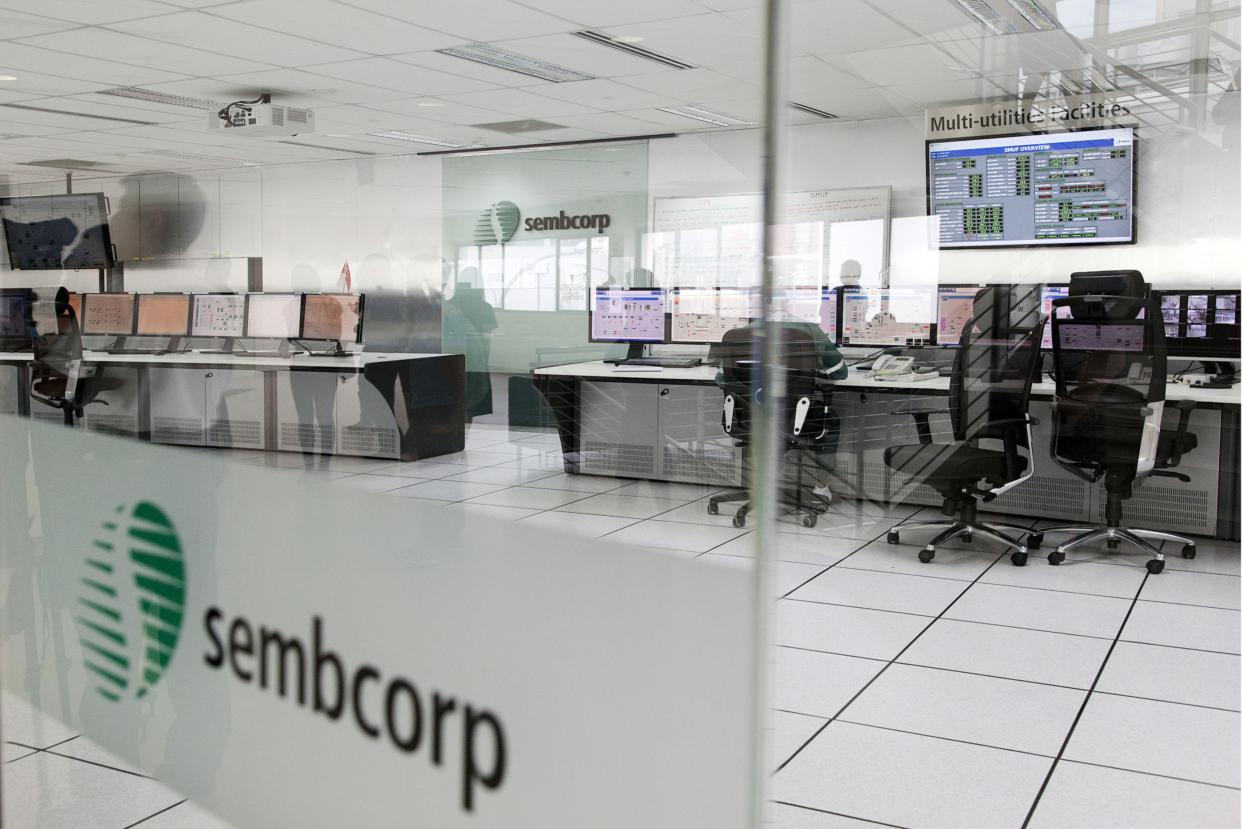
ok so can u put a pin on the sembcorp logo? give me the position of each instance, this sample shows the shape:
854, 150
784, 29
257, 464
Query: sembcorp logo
497, 224
131, 601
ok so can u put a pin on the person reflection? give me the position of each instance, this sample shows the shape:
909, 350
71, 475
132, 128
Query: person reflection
468, 325
314, 392
159, 215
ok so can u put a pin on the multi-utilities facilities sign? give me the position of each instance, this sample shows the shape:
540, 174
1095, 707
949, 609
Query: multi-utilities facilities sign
1042, 116
293, 656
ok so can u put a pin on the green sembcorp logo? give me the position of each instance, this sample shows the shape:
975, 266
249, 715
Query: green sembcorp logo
131, 601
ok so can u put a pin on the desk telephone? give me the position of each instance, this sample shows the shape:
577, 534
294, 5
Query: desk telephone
892, 367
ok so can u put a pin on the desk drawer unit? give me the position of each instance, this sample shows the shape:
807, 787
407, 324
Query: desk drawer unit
177, 401
10, 389
619, 429
365, 425
693, 446
123, 414
234, 410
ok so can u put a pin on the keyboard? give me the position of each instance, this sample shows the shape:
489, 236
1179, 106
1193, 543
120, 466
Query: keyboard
662, 362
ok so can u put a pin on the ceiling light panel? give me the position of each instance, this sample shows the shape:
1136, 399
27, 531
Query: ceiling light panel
139, 94
707, 116
414, 138
513, 62
1007, 17
1035, 15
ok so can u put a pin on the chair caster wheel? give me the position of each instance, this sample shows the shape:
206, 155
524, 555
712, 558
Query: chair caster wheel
1113, 543
926, 555
739, 520
1034, 540
713, 508
1056, 557
808, 520
968, 537
1155, 566
1188, 551
1018, 559
894, 538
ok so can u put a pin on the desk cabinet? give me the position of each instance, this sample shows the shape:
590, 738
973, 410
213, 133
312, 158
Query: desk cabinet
207, 407
333, 413
124, 413
10, 389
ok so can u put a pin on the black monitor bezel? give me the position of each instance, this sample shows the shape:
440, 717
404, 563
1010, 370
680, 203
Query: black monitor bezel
306, 298
251, 295
668, 318
1133, 240
109, 252
86, 314
189, 313
1198, 348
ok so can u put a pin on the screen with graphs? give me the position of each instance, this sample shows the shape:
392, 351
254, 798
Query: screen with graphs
1037, 189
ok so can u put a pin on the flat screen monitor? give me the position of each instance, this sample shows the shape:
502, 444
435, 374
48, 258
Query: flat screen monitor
1047, 294
830, 314
13, 305
218, 315
108, 314
1201, 323
703, 315
75, 302
273, 316
955, 305
880, 317
166, 315
798, 304
333, 317
1053, 188
54, 232
1092, 336
628, 315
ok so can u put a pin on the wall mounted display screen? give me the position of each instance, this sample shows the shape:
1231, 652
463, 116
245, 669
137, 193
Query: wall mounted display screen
954, 307
878, 317
1061, 188
1201, 323
333, 317
54, 232
703, 315
277, 316
628, 315
218, 315
165, 315
108, 314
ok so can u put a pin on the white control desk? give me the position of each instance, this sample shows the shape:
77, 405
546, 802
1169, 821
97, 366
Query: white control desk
399, 406
665, 425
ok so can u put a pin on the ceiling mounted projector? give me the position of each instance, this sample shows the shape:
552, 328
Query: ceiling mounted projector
261, 118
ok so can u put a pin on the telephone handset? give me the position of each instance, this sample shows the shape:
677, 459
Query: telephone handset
892, 367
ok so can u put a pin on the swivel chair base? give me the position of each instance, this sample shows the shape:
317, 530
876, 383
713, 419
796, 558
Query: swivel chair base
801, 497
1113, 536
967, 531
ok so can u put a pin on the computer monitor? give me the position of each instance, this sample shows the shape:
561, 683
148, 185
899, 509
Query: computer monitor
218, 315
1094, 336
54, 232
273, 316
830, 314
1054, 188
108, 314
1047, 294
628, 315
165, 315
14, 333
333, 317
887, 317
955, 304
703, 315
1201, 323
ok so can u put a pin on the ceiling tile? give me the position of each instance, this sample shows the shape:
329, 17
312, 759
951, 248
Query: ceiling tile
701, 40
333, 23
120, 108
34, 84
886, 67
392, 74
10, 125
611, 123
288, 86
809, 77
15, 24
101, 73
204, 31
599, 13
108, 45
944, 18
63, 119
856, 103
692, 85
581, 55
603, 94
475, 20
450, 113
835, 27
89, 12
519, 103
945, 93
468, 69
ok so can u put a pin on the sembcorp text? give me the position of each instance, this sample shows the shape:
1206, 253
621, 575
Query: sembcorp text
379, 706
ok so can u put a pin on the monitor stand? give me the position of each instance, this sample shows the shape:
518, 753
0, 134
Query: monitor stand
335, 349
226, 347
118, 346
634, 357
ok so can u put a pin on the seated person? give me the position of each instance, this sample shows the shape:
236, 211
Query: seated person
832, 367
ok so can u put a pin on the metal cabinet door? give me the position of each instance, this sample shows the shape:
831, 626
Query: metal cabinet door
235, 413
693, 445
177, 396
619, 429
365, 425
306, 411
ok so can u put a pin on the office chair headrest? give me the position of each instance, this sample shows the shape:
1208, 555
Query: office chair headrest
1127, 284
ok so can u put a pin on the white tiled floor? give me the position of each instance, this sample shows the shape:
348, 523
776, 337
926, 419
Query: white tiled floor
961, 693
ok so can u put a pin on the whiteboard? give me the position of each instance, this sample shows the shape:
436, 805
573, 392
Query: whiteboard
712, 241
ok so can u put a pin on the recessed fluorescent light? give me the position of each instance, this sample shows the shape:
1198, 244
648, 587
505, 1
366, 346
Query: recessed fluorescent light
430, 103
335, 135
627, 39
1034, 14
982, 11
399, 135
140, 94
625, 44
8, 77
811, 110
502, 59
707, 116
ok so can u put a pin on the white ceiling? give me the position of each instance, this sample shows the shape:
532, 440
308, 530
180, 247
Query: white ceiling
367, 66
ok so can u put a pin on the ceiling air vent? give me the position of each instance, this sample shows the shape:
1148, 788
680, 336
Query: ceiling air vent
66, 164
627, 46
140, 94
518, 127
81, 114
809, 110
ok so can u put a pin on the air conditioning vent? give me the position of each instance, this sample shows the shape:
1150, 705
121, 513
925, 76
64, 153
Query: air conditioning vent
517, 127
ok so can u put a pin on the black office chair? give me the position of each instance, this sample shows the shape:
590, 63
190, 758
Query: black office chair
989, 396
806, 417
57, 376
1109, 359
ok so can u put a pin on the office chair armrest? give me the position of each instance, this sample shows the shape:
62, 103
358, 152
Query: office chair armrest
1184, 409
